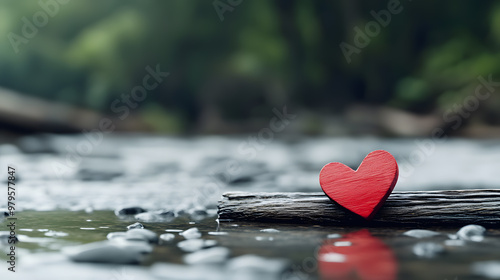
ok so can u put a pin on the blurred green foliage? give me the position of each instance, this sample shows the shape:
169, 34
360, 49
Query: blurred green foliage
263, 54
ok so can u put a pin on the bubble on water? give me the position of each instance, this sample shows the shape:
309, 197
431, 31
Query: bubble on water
490, 269
421, 233
472, 233
427, 249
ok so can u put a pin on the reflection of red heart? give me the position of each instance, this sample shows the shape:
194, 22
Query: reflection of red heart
365, 190
357, 256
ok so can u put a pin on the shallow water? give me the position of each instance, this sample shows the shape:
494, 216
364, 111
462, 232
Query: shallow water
74, 205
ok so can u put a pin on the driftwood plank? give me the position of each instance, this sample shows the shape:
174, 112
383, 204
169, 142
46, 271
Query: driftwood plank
419, 208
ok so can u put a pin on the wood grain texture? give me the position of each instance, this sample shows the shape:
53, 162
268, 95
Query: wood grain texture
365, 190
425, 208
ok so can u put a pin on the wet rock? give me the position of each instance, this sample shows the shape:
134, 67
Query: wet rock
428, 249
421, 233
135, 225
489, 269
114, 235
192, 233
208, 256
270, 230
4, 212
123, 252
141, 234
129, 211
472, 233
193, 245
167, 237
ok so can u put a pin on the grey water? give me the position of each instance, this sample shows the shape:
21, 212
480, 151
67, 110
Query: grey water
68, 188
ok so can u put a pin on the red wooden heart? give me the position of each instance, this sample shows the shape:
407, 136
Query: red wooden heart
365, 190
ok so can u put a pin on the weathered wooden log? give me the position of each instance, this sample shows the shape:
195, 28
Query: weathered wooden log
418, 208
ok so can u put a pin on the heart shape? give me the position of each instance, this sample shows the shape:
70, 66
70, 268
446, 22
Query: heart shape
365, 190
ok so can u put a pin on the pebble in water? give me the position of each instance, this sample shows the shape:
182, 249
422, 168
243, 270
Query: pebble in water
427, 249
167, 237
472, 233
129, 211
113, 235
193, 245
136, 225
270, 230
208, 256
125, 252
191, 233
489, 269
141, 234
421, 233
